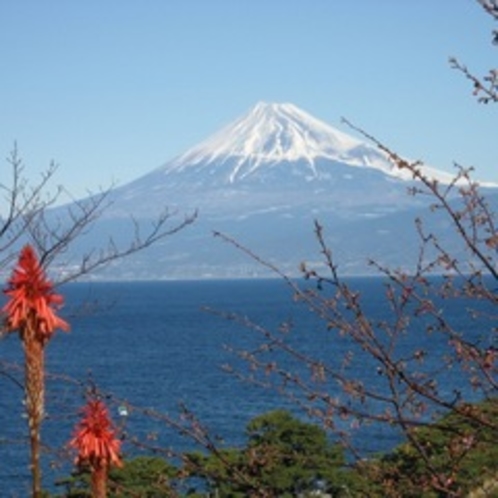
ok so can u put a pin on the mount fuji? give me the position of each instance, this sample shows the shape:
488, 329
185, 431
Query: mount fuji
270, 135
263, 179
274, 157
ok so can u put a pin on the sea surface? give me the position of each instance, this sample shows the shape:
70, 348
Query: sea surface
159, 351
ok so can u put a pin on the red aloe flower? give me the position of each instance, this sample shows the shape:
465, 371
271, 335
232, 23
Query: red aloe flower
32, 298
95, 437
30, 310
97, 445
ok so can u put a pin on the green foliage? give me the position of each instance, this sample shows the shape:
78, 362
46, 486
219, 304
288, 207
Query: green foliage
283, 457
456, 455
147, 477
286, 457
292, 455
143, 477
77, 485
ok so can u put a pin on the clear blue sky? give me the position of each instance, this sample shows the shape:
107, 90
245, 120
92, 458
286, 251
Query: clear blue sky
111, 89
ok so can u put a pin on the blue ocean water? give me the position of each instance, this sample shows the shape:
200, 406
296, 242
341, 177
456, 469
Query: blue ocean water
154, 346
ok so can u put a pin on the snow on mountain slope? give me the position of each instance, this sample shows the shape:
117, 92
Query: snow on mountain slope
275, 156
271, 134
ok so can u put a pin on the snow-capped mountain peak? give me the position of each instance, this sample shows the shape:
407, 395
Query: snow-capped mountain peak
273, 133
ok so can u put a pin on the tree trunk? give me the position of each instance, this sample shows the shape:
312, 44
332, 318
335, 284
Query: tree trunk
99, 482
35, 392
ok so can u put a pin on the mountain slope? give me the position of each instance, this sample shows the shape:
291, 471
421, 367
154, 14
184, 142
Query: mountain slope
264, 179
272, 134
274, 157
